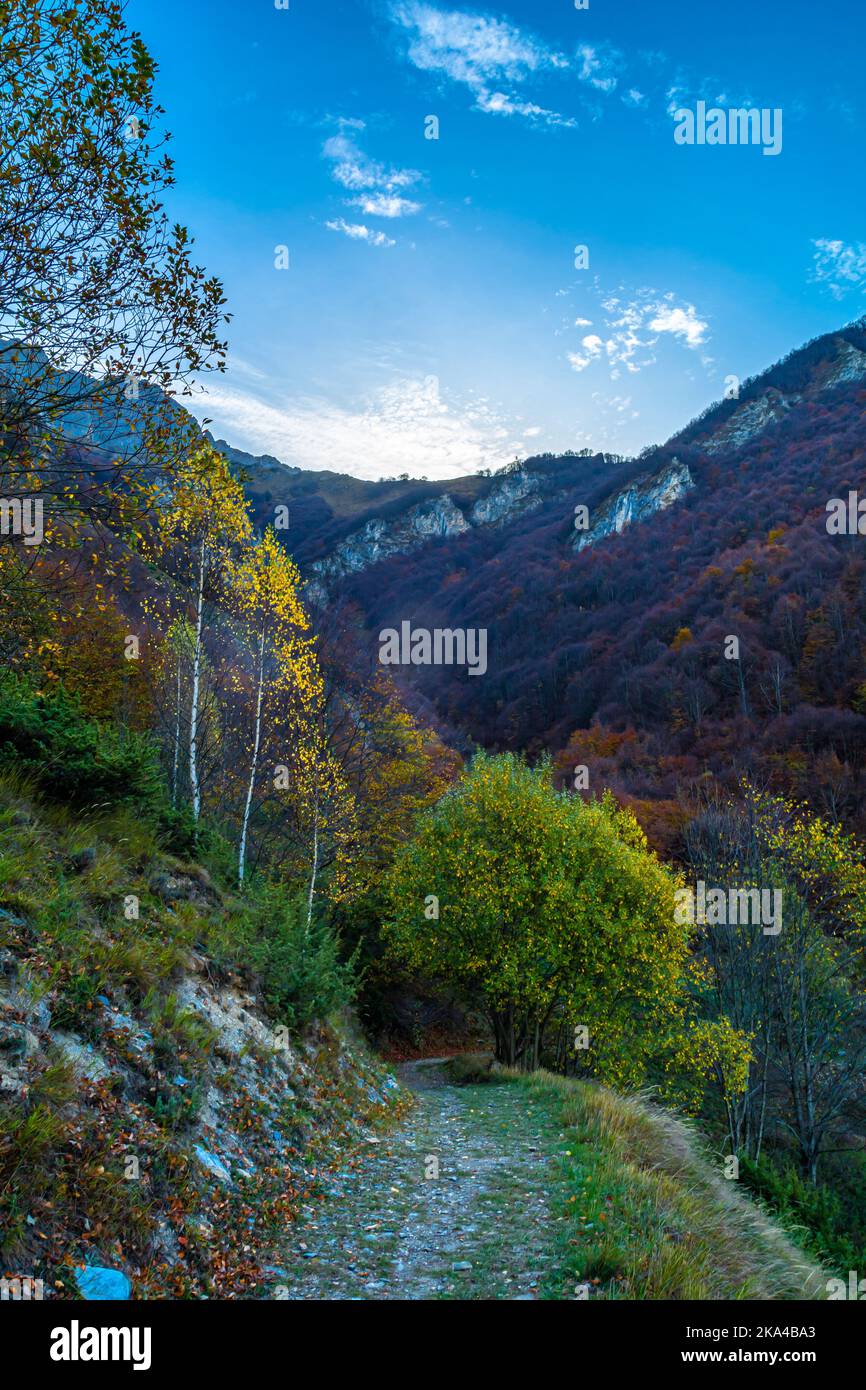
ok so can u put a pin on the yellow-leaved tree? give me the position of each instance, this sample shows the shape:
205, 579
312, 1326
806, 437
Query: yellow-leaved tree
200, 525
549, 913
284, 681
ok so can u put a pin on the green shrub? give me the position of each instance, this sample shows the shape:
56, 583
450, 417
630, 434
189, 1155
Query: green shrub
300, 971
473, 1069
817, 1208
71, 758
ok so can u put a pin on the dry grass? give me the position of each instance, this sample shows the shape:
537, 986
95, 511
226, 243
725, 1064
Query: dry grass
650, 1215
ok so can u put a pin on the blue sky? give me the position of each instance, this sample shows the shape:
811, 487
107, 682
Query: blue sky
432, 320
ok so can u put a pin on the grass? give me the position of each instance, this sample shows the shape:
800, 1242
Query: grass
648, 1215
67, 1191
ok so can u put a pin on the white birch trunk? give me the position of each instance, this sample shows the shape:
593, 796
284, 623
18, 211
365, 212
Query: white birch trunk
315, 868
196, 681
174, 770
242, 850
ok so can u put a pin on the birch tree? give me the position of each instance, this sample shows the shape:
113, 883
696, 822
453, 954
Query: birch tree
199, 528
284, 678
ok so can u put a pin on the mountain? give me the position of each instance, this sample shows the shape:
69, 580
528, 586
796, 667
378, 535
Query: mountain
613, 591
607, 643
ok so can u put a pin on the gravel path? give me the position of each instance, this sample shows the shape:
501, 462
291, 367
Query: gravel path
452, 1204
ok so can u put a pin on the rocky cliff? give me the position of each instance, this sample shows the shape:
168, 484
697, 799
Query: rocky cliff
642, 498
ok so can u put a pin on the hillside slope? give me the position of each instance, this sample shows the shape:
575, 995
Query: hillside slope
164, 1135
613, 654
160, 1124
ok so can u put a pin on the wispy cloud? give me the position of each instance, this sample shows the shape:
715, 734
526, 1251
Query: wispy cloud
355, 170
386, 205
491, 56
632, 328
599, 66
359, 232
378, 186
406, 427
482, 53
840, 266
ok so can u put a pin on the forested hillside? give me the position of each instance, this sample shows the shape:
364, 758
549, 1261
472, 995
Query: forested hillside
614, 657
602, 907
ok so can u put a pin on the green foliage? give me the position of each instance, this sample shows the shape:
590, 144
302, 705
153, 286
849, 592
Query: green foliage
298, 964
72, 758
179, 1034
834, 1217
549, 908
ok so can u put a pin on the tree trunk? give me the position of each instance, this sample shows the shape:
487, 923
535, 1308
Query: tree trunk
174, 770
195, 790
315, 867
242, 848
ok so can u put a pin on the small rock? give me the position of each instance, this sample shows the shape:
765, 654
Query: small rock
17, 1042
99, 1282
8, 965
460, 1267
213, 1164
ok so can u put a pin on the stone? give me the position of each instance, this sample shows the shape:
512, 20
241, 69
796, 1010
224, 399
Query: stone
101, 1282
17, 1042
213, 1164
8, 965
642, 498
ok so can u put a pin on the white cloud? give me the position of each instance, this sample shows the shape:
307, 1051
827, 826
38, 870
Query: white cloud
471, 48
532, 432
353, 169
386, 205
631, 329
358, 232
481, 52
682, 322
839, 266
502, 105
598, 67
407, 427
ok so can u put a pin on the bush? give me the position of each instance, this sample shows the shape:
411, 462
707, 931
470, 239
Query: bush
818, 1208
547, 913
300, 971
72, 758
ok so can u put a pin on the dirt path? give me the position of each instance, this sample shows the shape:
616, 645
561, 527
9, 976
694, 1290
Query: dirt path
453, 1204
